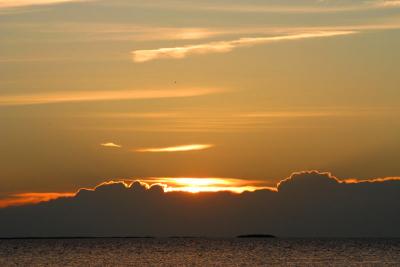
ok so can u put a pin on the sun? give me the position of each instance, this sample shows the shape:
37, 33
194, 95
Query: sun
198, 185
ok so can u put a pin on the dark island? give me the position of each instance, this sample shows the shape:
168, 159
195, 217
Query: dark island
256, 236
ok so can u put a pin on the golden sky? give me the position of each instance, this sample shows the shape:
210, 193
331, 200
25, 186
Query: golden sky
254, 90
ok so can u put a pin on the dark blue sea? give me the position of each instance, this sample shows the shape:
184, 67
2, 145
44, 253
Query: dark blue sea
199, 252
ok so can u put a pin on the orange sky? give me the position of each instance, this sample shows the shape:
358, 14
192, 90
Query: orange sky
102, 90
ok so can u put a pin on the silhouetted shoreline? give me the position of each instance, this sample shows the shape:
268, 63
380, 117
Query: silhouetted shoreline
256, 236
78, 237
129, 237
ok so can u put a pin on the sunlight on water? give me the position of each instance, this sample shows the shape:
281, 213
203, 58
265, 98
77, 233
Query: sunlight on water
200, 252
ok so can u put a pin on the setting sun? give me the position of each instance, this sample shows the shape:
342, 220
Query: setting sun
197, 185
169, 128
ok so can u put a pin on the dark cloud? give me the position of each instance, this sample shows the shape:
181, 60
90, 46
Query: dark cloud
306, 204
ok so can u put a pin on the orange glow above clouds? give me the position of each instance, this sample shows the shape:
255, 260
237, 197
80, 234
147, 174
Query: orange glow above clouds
189, 185
172, 184
31, 198
198, 185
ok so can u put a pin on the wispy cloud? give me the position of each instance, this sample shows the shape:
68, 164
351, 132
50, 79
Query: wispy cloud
121, 32
136, 115
227, 120
183, 148
89, 96
226, 46
289, 9
22, 3
389, 3
30, 198
111, 144
94, 31
319, 7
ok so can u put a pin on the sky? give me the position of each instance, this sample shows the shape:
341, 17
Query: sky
100, 90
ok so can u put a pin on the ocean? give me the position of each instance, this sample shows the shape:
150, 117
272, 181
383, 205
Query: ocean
199, 252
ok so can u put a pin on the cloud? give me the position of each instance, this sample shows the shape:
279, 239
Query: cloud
311, 203
31, 198
225, 46
197, 185
228, 120
291, 114
135, 115
93, 31
389, 3
22, 3
127, 32
183, 148
111, 144
90, 96
290, 7
191, 185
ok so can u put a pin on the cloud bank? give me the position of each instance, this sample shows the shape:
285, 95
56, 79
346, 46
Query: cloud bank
305, 204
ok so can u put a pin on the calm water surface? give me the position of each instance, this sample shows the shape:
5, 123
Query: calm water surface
201, 252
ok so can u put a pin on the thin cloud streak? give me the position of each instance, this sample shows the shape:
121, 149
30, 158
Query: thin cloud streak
31, 198
89, 31
91, 96
140, 56
390, 3
92, 32
199, 120
23, 3
126, 32
183, 148
287, 9
200, 114
320, 7
317, 9
111, 144
239, 8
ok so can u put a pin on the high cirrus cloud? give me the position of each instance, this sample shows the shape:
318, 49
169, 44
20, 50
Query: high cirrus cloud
288, 7
390, 3
90, 96
225, 46
311, 204
22, 3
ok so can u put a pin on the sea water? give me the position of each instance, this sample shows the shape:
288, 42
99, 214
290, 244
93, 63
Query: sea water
199, 252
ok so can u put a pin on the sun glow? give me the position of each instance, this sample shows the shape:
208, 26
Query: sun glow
31, 198
198, 185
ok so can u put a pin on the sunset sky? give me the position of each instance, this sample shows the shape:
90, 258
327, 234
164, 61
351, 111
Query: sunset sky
92, 91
